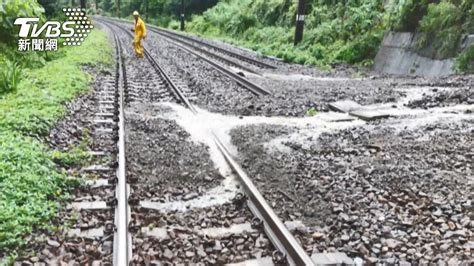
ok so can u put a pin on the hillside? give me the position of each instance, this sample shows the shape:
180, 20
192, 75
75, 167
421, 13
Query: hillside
339, 31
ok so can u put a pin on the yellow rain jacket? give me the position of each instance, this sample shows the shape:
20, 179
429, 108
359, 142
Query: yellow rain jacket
140, 33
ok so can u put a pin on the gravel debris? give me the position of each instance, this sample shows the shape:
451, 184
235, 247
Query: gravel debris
404, 201
383, 193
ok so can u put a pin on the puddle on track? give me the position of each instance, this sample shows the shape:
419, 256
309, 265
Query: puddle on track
204, 124
201, 128
292, 77
300, 77
404, 118
308, 129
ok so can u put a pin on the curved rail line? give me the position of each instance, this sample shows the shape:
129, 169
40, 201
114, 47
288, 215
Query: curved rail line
252, 87
230, 53
278, 234
204, 51
208, 45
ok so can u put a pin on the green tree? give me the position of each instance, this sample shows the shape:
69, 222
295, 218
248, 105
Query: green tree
12, 9
50, 7
106, 5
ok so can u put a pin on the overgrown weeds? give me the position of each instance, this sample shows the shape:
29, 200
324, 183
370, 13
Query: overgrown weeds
336, 31
441, 29
465, 61
12, 9
10, 75
441, 24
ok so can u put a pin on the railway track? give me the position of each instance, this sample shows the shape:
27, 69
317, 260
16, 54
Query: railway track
122, 237
201, 54
288, 249
102, 213
197, 43
205, 51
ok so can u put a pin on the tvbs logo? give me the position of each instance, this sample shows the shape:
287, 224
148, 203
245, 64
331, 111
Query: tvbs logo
71, 32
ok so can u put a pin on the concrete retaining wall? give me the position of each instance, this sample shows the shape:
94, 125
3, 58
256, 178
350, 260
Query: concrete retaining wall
396, 56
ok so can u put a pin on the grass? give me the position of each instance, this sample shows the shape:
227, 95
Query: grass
31, 184
334, 33
10, 76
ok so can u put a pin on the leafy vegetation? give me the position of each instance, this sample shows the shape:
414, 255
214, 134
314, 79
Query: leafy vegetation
30, 180
442, 21
407, 14
335, 31
465, 61
10, 10
53, 7
29, 186
441, 24
10, 74
159, 12
311, 111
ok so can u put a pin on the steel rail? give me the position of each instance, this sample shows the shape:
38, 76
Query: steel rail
222, 50
204, 51
122, 237
230, 53
252, 87
278, 234
177, 93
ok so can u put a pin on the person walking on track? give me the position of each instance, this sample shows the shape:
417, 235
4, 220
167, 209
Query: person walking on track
140, 33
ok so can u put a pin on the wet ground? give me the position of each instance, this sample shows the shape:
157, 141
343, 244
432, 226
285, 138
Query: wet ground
182, 204
380, 192
390, 190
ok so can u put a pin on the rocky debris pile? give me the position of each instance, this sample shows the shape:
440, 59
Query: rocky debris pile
445, 98
163, 162
451, 81
215, 92
380, 194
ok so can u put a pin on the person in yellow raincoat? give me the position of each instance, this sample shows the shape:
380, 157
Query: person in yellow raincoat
140, 33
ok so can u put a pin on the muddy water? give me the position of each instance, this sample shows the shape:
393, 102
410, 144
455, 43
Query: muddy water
303, 131
202, 126
282, 135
